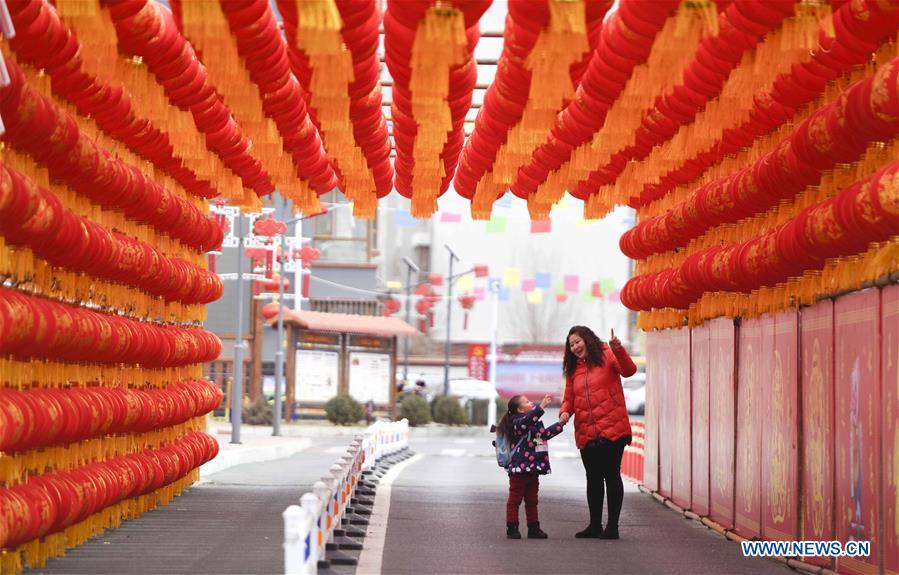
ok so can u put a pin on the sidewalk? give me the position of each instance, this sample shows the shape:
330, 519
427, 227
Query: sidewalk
229, 522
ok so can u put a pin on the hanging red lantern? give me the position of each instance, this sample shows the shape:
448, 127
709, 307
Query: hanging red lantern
391, 306
467, 302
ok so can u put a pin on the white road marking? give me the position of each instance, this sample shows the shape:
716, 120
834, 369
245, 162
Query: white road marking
564, 454
464, 441
372, 555
452, 452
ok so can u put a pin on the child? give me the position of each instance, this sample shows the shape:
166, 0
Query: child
530, 460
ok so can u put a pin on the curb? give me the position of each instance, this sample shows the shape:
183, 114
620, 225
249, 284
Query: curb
228, 458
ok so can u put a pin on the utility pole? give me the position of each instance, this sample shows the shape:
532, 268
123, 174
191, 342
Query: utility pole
237, 371
410, 267
449, 309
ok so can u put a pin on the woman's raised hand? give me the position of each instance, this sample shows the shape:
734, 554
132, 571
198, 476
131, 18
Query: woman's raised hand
614, 341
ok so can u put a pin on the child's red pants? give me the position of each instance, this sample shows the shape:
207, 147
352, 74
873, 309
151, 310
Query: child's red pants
523, 487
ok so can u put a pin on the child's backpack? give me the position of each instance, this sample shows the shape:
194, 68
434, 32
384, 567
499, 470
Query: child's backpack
504, 446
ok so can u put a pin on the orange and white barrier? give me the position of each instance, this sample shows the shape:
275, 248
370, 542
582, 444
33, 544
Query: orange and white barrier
310, 526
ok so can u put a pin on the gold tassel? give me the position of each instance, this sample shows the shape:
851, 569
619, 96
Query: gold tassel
439, 45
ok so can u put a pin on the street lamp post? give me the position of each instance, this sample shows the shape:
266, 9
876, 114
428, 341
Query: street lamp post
494, 321
237, 371
449, 309
277, 413
410, 267
278, 408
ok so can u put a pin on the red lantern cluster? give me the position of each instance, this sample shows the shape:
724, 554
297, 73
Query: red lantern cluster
264, 53
844, 225
147, 30
424, 306
35, 125
34, 217
39, 418
401, 24
41, 328
860, 27
624, 43
44, 41
391, 306
48, 503
507, 97
361, 23
836, 133
741, 25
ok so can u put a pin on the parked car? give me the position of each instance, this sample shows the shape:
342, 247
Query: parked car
635, 393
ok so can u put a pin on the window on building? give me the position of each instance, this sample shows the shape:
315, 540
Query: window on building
339, 236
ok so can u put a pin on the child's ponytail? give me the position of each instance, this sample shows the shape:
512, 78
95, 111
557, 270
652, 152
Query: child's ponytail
506, 422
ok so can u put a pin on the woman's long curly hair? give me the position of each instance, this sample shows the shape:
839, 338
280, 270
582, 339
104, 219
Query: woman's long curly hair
591, 342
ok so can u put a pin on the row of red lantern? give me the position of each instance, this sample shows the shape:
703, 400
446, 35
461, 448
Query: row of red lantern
625, 42
833, 134
34, 217
860, 28
147, 30
44, 41
360, 36
47, 504
37, 126
741, 25
429, 147
508, 96
36, 327
264, 55
841, 226
39, 418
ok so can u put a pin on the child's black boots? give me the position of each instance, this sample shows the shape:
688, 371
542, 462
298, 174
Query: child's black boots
512, 531
534, 531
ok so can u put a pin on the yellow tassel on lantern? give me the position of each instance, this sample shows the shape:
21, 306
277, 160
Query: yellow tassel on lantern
439, 45
318, 35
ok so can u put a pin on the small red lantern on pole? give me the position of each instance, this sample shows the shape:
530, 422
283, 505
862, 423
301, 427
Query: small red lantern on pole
467, 301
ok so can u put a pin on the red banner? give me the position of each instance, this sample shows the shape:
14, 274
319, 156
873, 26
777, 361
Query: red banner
478, 367
752, 359
722, 342
780, 464
816, 340
654, 367
890, 354
699, 365
681, 467
858, 405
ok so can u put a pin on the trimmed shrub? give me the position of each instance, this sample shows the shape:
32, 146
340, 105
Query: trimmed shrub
478, 410
415, 409
502, 404
344, 410
447, 410
257, 413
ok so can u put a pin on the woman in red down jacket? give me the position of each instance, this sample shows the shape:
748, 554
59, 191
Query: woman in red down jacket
593, 395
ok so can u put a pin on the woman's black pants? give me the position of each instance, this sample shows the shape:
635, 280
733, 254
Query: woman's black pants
602, 461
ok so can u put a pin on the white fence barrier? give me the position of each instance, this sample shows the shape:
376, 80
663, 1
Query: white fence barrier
309, 527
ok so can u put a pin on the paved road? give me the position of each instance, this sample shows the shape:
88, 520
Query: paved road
447, 515
229, 525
